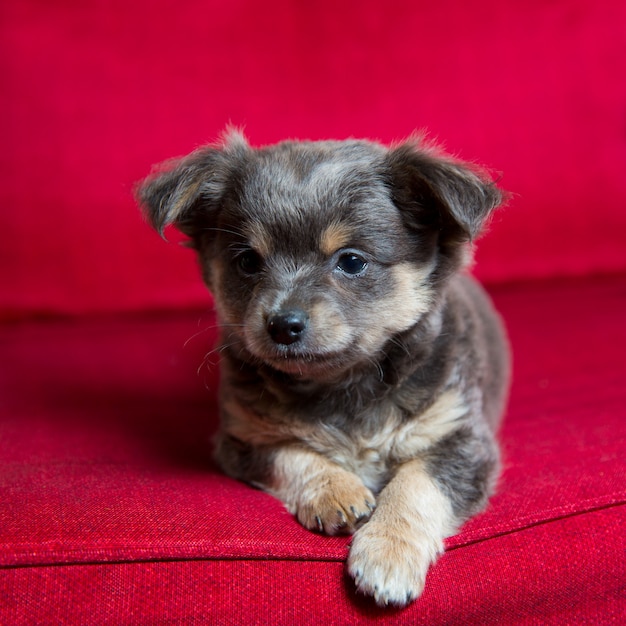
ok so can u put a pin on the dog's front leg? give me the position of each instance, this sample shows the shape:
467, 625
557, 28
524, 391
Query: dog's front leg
323, 495
391, 554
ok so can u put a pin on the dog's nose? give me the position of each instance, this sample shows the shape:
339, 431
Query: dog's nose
287, 327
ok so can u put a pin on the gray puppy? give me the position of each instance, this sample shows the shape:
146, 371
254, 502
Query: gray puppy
363, 374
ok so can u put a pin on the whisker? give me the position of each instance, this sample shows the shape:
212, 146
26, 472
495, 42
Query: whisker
238, 247
208, 328
209, 354
238, 233
200, 332
379, 368
400, 344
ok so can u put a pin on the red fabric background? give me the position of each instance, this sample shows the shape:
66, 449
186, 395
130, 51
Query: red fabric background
94, 93
521, 584
515, 589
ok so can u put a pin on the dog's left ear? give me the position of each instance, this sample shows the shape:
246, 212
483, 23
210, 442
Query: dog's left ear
435, 192
188, 192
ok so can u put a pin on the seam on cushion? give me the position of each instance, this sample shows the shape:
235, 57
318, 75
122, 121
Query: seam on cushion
543, 516
284, 557
175, 559
495, 534
148, 554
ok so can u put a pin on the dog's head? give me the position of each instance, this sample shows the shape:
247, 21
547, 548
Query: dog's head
319, 253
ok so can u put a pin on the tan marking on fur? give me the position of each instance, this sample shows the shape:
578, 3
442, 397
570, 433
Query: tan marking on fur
390, 556
411, 298
439, 420
213, 274
183, 200
335, 237
260, 240
329, 326
321, 494
467, 257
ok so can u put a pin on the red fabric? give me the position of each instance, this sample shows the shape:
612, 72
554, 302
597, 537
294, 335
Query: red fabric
112, 511
516, 586
94, 93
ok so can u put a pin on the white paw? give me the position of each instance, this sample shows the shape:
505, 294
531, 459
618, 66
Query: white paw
340, 505
389, 565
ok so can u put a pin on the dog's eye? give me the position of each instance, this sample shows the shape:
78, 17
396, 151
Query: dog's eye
249, 262
352, 264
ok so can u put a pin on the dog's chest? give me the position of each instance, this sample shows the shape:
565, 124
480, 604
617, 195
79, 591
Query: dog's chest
369, 443
385, 437
370, 453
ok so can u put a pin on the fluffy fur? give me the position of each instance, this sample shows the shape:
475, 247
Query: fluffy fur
363, 374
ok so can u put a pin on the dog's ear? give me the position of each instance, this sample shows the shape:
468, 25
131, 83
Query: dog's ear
436, 193
188, 192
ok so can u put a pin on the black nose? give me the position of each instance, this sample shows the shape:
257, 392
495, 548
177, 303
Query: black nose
287, 327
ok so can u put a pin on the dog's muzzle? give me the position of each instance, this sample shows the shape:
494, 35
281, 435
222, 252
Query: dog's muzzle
287, 327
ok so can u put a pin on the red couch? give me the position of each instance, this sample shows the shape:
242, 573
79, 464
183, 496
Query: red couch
111, 509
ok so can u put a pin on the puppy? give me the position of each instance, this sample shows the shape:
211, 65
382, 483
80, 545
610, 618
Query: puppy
363, 374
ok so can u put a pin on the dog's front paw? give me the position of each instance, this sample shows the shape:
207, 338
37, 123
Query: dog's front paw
338, 503
389, 565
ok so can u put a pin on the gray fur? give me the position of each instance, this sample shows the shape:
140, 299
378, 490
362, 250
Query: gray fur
405, 361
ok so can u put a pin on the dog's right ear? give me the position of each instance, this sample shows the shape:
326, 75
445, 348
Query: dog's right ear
188, 192
433, 189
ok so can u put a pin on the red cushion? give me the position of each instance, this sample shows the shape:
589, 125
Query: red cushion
94, 93
112, 511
